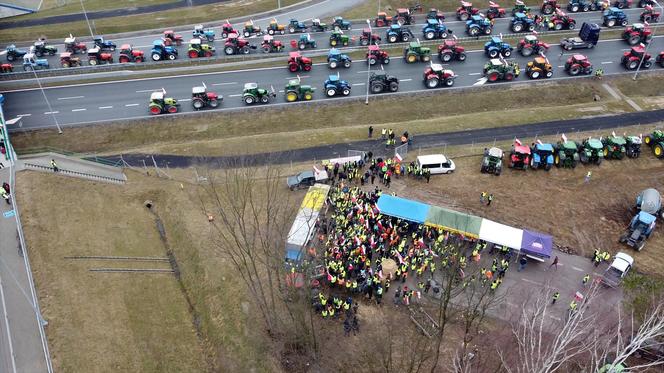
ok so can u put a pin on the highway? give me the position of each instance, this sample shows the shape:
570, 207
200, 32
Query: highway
128, 100
144, 43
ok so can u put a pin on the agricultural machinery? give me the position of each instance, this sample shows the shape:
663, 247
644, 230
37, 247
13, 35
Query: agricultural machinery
542, 156
465, 11
575, 6
251, 30
339, 38
296, 91
621, 4
561, 21
660, 59
14, 53
416, 52
633, 146
549, 6
434, 29
162, 52
650, 201
198, 49
275, 28
252, 94
655, 140
635, 57
531, 45
128, 54
492, 161
201, 98
495, 11
497, 47
227, 29
96, 56
637, 33
159, 104
368, 38
614, 147
614, 16
436, 76
450, 50
645, 3
201, 32
478, 24
566, 153
591, 151
639, 230
104, 45
31, 63
305, 41
650, 15
318, 26
382, 82
578, 64
376, 55
296, 62
66, 60
170, 38
539, 67
435, 14
499, 69
269, 45
403, 17
522, 22
519, 155
520, 7
236, 45
338, 23
335, 59
382, 20
398, 33
73, 47
335, 86
40, 48
7, 67
296, 26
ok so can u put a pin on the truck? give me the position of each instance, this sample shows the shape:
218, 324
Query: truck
588, 37
618, 269
306, 179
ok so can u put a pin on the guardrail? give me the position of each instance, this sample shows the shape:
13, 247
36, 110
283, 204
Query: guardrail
87, 157
84, 175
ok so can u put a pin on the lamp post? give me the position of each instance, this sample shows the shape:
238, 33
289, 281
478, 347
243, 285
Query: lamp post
645, 51
87, 20
48, 103
366, 101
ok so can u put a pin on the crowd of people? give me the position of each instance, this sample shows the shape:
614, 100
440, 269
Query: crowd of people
367, 169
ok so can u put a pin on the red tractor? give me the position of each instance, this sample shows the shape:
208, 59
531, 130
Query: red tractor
170, 38
6, 68
549, 6
635, 57
73, 47
128, 54
660, 59
519, 155
227, 29
449, 51
403, 17
375, 55
637, 33
578, 64
382, 20
650, 15
270, 45
95, 56
237, 45
436, 76
531, 45
561, 21
368, 38
296, 62
495, 11
465, 11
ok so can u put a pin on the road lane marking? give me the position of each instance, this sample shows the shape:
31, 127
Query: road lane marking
531, 281
406, 80
51, 112
148, 90
230, 83
471, 74
235, 95
79, 109
184, 99
70, 98
607, 62
561, 66
281, 91
106, 107
131, 105
24, 115
302, 76
364, 72
358, 84
577, 269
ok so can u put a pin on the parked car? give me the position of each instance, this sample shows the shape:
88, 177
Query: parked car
306, 179
436, 163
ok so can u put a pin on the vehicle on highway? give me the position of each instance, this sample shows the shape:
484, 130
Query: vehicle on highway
403, 17
639, 230
12, 53
496, 47
465, 11
382, 82
618, 269
160, 51
306, 179
296, 62
159, 104
40, 48
236, 45
549, 6
495, 11
251, 30
376, 55
538, 68
588, 37
201, 98
492, 161
6, 68
450, 50
649, 15
275, 28
296, 26
269, 45
614, 16
129, 54
339, 38
578, 64
170, 38
31, 63
73, 47
478, 24
522, 22
318, 26
397, 33
227, 29
335, 86
201, 32
499, 69
96, 56
367, 37
66, 60
437, 164
520, 7
382, 20
636, 56
253, 94
296, 91
335, 59
435, 29
338, 24
436, 76
198, 49
435, 14
104, 45
531, 45
585, 5
621, 4
637, 33
304, 42
559, 21
416, 52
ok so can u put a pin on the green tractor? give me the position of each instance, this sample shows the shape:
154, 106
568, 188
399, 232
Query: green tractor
295, 91
159, 104
253, 94
338, 38
591, 151
614, 146
655, 140
416, 52
566, 153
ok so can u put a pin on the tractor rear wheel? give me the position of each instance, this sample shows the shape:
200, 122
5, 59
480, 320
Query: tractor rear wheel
331, 92
605, 152
65, 65
535, 74
293, 67
411, 58
432, 82
558, 26
197, 103
463, 17
155, 109
575, 8
658, 150
193, 54
372, 61
492, 76
611, 23
634, 40
291, 96
574, 70
92, 61
632, 65
123, 59
429, 35
392, 38
556, 160
364, 42
473, 31
526, 51
376, 87
517, 27
493, 53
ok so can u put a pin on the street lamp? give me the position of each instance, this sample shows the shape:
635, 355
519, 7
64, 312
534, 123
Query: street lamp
48, 103
645, 51
366, 101
87, 20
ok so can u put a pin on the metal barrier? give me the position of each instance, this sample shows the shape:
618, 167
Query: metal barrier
84, 175
401, 151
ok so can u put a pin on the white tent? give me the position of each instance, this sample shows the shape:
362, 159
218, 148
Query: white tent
501, 234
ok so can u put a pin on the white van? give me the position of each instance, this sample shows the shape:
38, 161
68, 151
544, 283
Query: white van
436, 163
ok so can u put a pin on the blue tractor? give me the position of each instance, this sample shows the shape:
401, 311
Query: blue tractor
397, 33
522, 22
542, 156
435, 29
639, 230
335, 86
614, 16
335, 59
161, 52
296, 26
478, 24
203, 33
31, 63
497, 47
104, 45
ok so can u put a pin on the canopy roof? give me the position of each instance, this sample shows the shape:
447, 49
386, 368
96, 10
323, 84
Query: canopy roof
537, 244
501, 234
454, 221
403, 208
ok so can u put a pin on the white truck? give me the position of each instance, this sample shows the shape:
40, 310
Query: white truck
618, 269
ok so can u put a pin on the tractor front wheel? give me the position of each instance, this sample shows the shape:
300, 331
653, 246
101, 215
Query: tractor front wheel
461, 57
308, 96
265, 99
172, 109
345, 92
658, 150
507, 53
517, 27
634, 40
463, 17
405, 38
446, 57
347, 64
647, 140
632, 65
364, 42
571, 25
509, 77
449, 82
549, 73
493, 53
574, 9
492, 76
172, 57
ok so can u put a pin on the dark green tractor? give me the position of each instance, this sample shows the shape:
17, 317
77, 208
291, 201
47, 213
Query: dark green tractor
614, 147
296, 91
633, 146
566, 154
591, 151
655, 140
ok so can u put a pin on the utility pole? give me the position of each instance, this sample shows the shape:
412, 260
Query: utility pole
48, 103
92, 35
645, 51
366, 101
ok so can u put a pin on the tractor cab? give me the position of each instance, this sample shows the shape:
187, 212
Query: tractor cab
317, 25
382, 20
250, 88
450, 44
636, 51
579, 59
170, 37
492, 161
104, 44
519, 156
637, 27
614, 12
540, 62
530, 39
71, 40
432, 23
521, 17
436, 14
594, 144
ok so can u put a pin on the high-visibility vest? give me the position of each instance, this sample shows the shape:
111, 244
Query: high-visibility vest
572, 306
324, 312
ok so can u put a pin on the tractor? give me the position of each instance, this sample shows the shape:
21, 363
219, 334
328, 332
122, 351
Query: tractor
478, 24
74, 47
104, 45
621, 4
561, 21
538, 68
298, 63
416, 52
66, 60
318, 26
499, 69
633, 146
575, 6
450, 50
496, 47
161, 105
434, 29
201, 98
639, 230
519, 155
566, 154
655, 140
635, 57
578, 64
492, 161
30, 63
270, 45
128, 54
542, 156
382, 20
368, 38
41, 48
251, 30
591, 151
382, 82
637, 33
549, 6
339, 38
170, 38
227, 29
198, 49
398, 33
296, 91
531, 45
252, 94
14, 53
335, 59
403, 17
660, 59
201, 32
522, 22
236, 45
614, 147
520, 7
436, 76
305, 41
614, 16
435, 14
495, 11
96, 56
7, 68
335, 86
275, 28
296, 26
338, 23
649, 15
161, 52
465, 11
645, 3
376, 55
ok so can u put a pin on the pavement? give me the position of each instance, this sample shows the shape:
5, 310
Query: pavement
72, 167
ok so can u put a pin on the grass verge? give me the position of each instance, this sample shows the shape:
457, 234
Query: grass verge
52, 8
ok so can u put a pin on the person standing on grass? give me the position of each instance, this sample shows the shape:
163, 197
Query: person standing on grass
483, 197
587, 178
489, 199
370, 131
54, 166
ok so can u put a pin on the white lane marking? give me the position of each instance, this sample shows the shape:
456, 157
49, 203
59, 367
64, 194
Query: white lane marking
224, 83
607, 62
561, 66
131, 105
234, 95
364, 72
51, 112
406, 80
78, 110
577, 269
471, 74
70, 98
281, 91
184, 99
24, 115
358, 84
301, 76
531, 281
148, 90
480, 81
106, 107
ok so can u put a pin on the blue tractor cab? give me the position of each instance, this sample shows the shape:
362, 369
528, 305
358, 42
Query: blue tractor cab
435, 29
335, 58
496, 47
639, 230
477, 25
521, 22
335, 86
614, 16
542, 156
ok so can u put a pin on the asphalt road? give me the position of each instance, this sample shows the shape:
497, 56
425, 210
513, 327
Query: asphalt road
127, 100
144, 43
